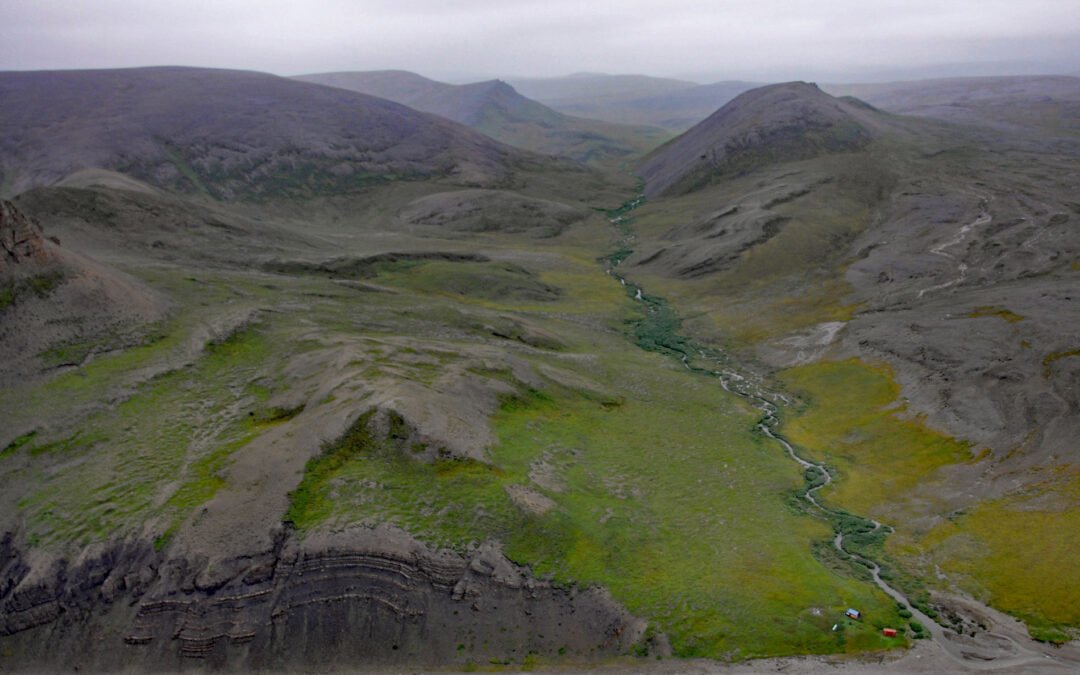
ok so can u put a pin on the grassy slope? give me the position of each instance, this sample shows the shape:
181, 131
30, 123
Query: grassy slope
1002, 551
1017, 554
154, 454
671, 518
792, 281
855, 422
667, 495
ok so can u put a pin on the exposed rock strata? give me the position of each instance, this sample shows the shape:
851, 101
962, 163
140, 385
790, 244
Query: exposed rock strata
21, 240
368, 596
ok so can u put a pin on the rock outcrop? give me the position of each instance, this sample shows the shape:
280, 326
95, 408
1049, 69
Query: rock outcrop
54, 299
21, 240
366, 596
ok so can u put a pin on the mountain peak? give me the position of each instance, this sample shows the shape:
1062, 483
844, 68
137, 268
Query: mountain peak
494, 87
776, 123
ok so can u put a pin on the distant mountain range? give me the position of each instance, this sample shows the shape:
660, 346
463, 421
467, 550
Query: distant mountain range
597, 87
496, 109
676, 105
1036, 103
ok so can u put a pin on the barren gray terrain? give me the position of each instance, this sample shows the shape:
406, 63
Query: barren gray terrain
944, 236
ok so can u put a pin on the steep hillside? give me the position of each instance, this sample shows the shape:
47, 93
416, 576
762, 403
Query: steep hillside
499, 111
778, 123
228, 134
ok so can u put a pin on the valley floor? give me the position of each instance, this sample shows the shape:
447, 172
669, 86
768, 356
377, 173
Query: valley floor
511, 425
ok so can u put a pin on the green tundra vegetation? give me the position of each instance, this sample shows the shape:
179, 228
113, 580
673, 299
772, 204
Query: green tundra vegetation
663, 493
634, 474
545, 385
1001, 551
1004, 551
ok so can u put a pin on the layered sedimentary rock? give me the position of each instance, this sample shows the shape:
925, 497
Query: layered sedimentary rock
368, 596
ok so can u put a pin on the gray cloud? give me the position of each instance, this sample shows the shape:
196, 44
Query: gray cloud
703, 39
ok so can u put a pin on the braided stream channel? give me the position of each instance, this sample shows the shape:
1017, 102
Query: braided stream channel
1005, 646
658, 332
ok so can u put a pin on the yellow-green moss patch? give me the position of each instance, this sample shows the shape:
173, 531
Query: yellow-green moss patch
1020, 554
854, 420
994, 310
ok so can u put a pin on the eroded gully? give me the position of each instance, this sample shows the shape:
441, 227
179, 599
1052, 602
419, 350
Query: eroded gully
993, 649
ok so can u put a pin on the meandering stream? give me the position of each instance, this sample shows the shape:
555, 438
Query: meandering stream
997, 649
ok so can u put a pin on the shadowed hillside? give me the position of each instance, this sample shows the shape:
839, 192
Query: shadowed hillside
228, 134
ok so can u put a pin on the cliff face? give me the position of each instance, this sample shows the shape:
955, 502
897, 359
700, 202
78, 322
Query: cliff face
371, 596
20, 240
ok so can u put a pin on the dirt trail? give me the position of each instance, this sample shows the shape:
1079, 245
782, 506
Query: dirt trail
1005, 646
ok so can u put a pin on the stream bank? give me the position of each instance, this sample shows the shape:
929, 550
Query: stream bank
658, 331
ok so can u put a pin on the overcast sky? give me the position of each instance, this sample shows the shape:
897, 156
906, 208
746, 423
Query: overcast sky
459, 40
